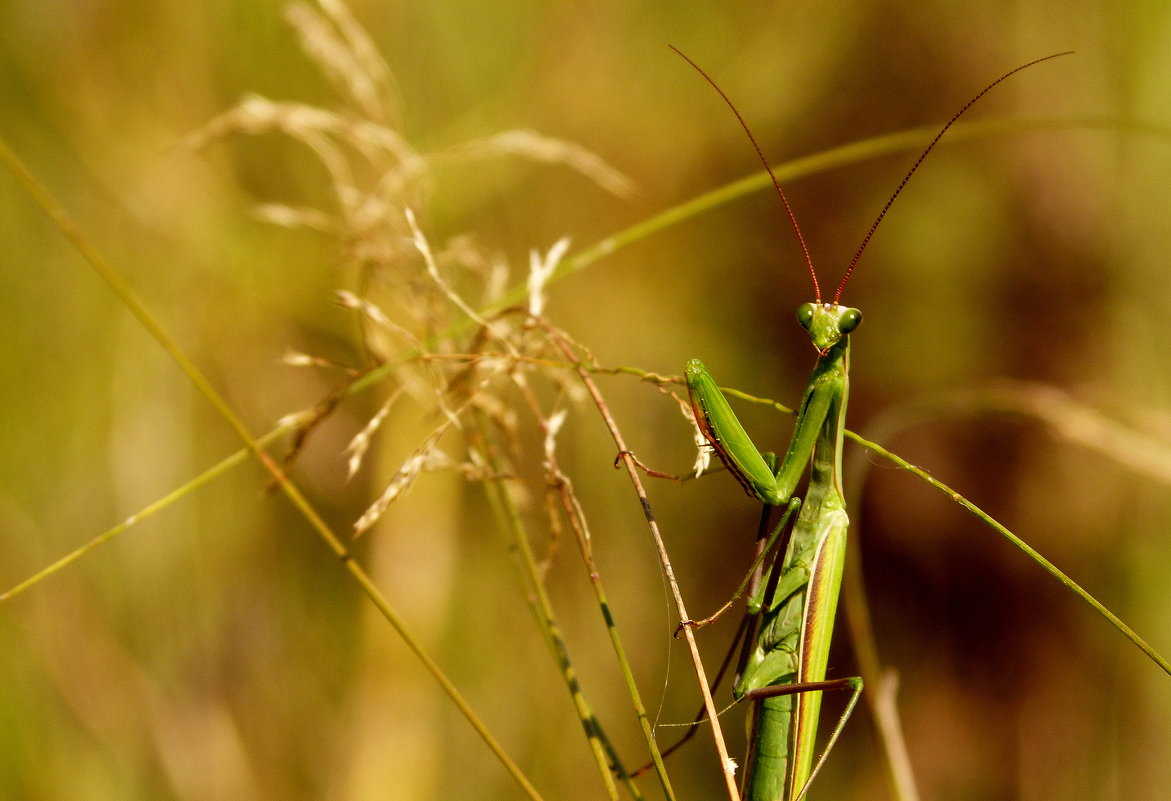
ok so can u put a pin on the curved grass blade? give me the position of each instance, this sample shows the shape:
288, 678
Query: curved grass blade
144, 316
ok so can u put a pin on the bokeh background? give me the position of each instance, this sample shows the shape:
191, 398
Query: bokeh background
217, 650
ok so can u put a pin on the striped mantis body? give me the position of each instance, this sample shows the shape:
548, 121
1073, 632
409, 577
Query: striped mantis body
783, 669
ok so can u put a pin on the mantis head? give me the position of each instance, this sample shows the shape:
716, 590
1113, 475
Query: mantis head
827, 323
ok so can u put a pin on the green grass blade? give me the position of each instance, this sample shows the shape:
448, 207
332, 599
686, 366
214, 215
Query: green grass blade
140, 311
1031, 552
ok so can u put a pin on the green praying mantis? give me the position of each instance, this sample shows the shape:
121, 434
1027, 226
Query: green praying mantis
783, 670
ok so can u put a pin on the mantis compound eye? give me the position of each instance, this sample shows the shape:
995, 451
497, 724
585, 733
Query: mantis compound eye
805, 315
850, 319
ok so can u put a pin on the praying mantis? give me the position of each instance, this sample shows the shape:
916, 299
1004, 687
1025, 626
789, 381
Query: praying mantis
783, 670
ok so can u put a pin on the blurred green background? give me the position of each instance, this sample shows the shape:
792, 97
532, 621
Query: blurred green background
217, 650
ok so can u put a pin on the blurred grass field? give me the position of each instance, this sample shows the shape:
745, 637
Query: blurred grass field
217, 649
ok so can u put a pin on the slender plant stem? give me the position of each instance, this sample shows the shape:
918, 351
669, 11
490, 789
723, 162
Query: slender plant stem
128, 297
1029, 550
727, 765
605, 756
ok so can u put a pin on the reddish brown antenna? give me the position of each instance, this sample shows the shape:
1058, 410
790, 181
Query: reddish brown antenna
918, 161
764, 161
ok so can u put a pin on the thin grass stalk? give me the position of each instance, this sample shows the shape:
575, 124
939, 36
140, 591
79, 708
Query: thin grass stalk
130, 299
578, 524
509, 518
1028, 550
727, 764
1068, 420
219, 469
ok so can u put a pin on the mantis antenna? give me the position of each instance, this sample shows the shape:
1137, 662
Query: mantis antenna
764, 161
890, 201
918, 161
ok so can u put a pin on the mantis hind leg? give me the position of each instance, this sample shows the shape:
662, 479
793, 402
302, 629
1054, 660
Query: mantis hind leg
852, 683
